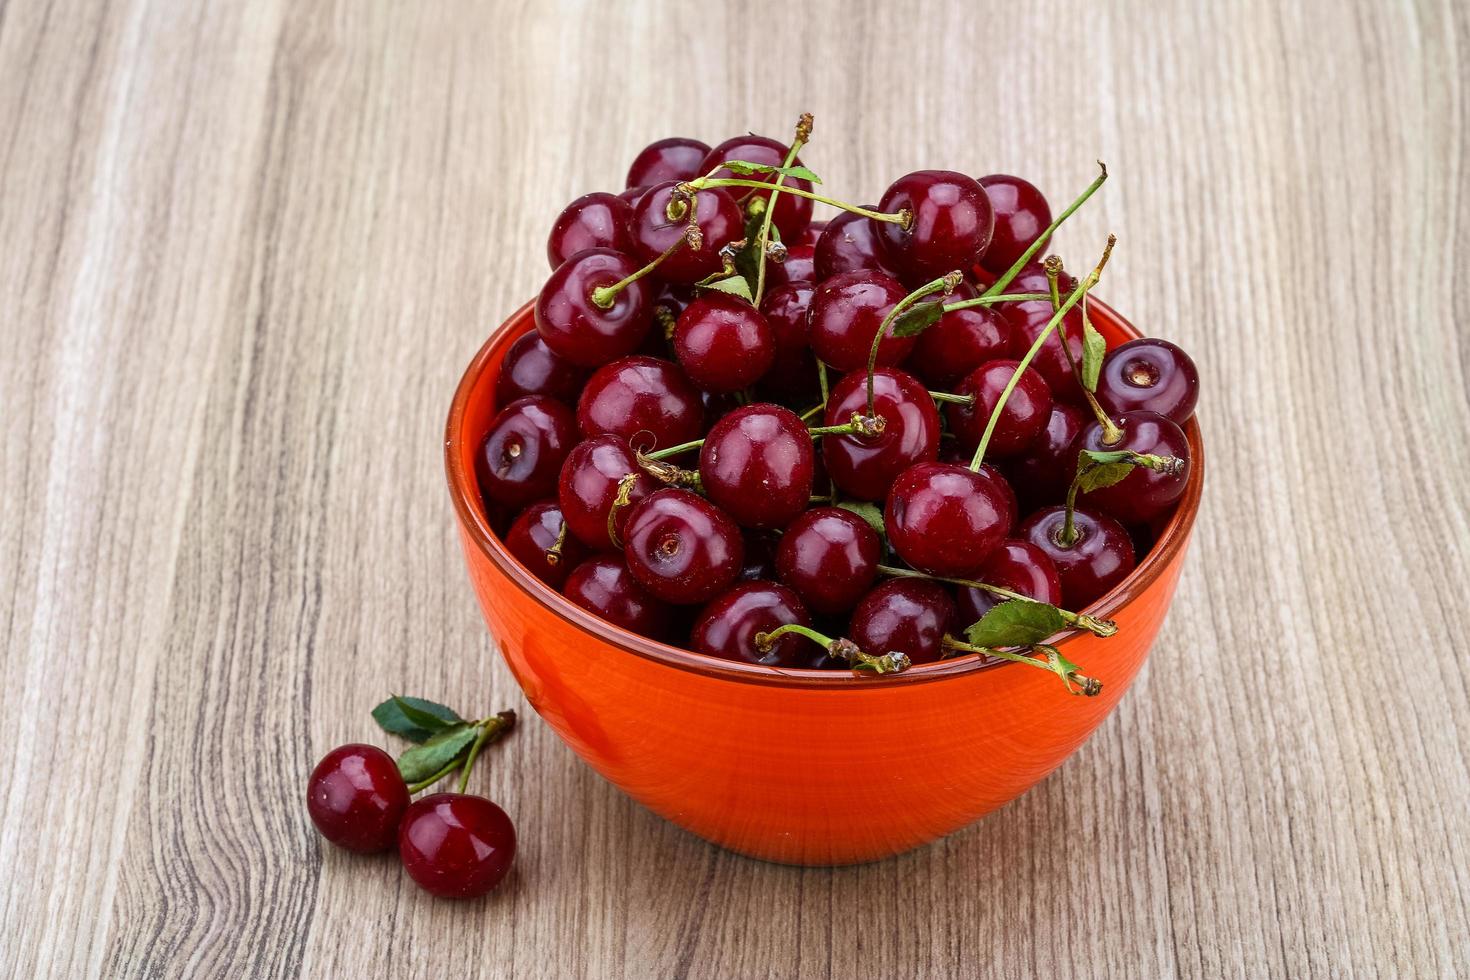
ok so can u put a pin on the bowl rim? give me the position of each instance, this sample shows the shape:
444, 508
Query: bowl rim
463, 490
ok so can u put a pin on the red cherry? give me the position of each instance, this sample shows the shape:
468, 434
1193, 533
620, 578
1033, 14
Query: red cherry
946, 520
1088, 567
952, 222
1021, 420
957, 344
603, 585
532, 368
830, 557
904, 615
676, 158
728, 625
456, 846
720, 222
1016, 565
792, 213
796, 268
794, 371
849, 243
757, 464
866, 466
1021, 215
522, 452
1143, 494
682, 548
641, 395
1043, 472
1027, 321
1150, 375
579, 330
588, 487
847, 311
723, 343
812, 233
595, 220
356, 797
533, 536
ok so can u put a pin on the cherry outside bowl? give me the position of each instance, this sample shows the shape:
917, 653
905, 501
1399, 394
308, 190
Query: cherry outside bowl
797, 766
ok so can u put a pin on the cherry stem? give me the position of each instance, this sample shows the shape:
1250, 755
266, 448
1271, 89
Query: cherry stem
1054, 663
859, 425
1081, 621
603, 297
1041, 240
491, 728
1056, 318
811, 413
966, 304
1171, 465
822, 381
682, 447
946, 282
944, 396
1111, 433
903, 217
624, 498
841, 649
668, 473
803, 133
426, 783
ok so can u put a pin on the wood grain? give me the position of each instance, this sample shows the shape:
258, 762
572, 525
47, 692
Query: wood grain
246, 249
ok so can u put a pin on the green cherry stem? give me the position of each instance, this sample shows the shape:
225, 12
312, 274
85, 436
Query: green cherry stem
1111, 433
1172, 465
491, 728
946, 283
966, 304
1056, 318
902, 217
1005, 280
1081, 621
1054, 663
803, 133
682, 447
426, 783
841, 649
603, 297
944, 396
858, 425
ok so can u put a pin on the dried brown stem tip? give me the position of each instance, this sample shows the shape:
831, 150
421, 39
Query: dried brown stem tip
868, 425
804, 128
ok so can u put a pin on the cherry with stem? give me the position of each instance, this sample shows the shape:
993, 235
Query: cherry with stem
803, 135
1111, 432
1090, 466
839, 649
946, 282
1081, 621
1005, 279
603, 297
1051, 661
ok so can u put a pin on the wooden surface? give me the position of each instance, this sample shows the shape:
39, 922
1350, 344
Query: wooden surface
247, 248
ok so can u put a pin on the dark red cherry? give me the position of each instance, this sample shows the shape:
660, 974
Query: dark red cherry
760, 556
632, 194
830, 557
532, 368
681, 547
904, 615
537, 542
1021, 215
720, 222
1027, 321
1099, 558
946, 520
1143, 494
866, 466
757, 465
603, 585
796, 268
596, 220
849, 243
642, 397
579, 330
1016, 565
456, 846
1043, 472
793, 213
794, 371
522, 453
957, 344
845, 315
356, 798
728, 625
676, 158
950, 453
952, 222
723, 343
1021, 420
811, 234
588, 486
1151, 375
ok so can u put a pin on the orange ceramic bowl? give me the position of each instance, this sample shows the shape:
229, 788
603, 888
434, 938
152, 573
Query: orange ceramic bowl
797, 766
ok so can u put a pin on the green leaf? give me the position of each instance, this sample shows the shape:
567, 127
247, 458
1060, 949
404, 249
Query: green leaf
414, 718
735, 285
868, 512
917, 318
1016, 623
1094, 349
1099, 475
747, 169
799, 172
422, 761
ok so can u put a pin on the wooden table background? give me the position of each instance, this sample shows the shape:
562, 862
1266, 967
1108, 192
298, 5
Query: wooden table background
247, 248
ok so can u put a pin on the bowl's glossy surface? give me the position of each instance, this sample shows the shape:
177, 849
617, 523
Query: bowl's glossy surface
797, 766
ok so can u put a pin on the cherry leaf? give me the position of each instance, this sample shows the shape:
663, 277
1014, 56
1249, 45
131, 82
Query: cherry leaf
735, 285
414, 718
916, 319
745, 168
868, 512
1016, 623
422, 761
1099, 475
1094, 349
799, 172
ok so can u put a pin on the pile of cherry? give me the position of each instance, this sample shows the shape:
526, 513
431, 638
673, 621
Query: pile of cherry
881, 440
